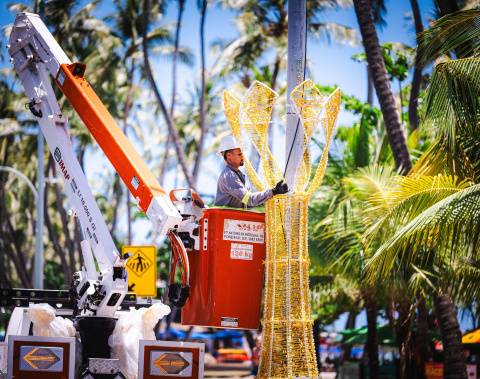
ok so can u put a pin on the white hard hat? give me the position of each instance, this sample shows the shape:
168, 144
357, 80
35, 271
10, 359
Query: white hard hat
229, 143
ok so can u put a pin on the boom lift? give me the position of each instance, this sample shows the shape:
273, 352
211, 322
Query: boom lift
34, 50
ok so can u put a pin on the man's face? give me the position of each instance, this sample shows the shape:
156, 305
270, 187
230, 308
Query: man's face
235, 158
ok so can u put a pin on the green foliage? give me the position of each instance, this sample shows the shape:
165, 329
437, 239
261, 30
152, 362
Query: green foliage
412, 212
458, 31
396, 64
54, 277
452, 103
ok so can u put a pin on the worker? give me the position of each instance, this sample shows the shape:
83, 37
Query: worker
231, 189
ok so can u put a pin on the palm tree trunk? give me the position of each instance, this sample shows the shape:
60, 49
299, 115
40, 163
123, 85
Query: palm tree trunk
196, 168
117, 182
347, 349
118, 196
417, 73
4, 282
401, 100
7, 234
52, 233
453, 357
69, 243
447, 6
404, 334
164, 168
369, 88
316, 335
422, 334
128, 105
375, 61
372, 338
182, 159
181, 4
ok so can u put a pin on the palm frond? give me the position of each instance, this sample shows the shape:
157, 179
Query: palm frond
370, 180
464, 282
406, 198
432, 162
452, 102
329, 31
449, 227
459, 31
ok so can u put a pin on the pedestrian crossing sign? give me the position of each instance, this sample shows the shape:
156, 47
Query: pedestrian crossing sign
142, 270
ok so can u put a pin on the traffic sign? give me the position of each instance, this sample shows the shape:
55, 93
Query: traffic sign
41, 357
34, 358
142, 270
168, 359
171, 363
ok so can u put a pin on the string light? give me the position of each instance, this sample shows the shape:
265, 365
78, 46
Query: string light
288, 349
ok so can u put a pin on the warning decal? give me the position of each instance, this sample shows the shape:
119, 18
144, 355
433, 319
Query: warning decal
229, 321
241, 251
139, 263
142, 269
243, 231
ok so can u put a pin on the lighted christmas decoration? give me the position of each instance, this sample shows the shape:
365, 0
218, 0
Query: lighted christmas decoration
288, 348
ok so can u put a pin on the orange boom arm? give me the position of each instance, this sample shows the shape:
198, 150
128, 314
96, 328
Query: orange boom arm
123, 156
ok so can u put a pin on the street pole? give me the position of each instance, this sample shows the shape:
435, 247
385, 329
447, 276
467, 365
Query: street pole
38, 266
297, 39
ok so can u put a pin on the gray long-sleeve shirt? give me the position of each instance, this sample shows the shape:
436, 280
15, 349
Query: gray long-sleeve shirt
232, 192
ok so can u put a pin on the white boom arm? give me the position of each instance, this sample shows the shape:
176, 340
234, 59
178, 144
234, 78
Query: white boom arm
32, 47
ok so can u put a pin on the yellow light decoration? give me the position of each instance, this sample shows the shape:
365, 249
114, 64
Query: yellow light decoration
288, 349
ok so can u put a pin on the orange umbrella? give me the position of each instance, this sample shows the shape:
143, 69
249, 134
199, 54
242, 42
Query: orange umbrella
473, 337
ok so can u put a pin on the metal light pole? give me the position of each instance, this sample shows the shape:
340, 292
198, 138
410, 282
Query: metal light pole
29, 183
297, 39
38, 266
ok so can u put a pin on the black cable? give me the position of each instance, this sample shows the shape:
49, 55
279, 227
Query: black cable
31, 106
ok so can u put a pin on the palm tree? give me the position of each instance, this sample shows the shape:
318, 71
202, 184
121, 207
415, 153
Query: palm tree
17, 210
263, 27
127, 27
398, 143
431, 215
417, 73
202, 4
181, 4
338, 212
168, 118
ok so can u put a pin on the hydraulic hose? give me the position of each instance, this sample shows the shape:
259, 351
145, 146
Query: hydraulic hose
180, 258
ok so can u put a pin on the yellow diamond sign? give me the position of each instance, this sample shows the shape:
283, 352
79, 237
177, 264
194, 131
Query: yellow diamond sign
142, 270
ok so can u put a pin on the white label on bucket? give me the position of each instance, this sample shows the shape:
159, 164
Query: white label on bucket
241, 251
229, 321
243, 231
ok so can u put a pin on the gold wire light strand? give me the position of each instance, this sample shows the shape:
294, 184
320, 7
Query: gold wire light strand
288, 349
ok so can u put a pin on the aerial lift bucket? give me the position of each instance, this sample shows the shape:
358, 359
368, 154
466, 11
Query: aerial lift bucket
227, 271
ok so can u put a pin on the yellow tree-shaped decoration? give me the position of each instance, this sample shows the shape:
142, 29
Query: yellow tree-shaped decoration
288, 349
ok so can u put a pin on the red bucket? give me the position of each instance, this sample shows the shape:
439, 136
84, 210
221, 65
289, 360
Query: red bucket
226, 274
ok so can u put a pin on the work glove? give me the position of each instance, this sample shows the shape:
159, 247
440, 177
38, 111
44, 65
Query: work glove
280, 188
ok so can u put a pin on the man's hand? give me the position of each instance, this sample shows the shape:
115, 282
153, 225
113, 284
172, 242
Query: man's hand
280, 188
